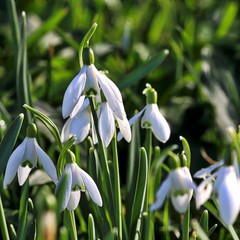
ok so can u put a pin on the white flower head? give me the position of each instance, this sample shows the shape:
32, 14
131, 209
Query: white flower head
79, 125
77, 181
179, 187
89, 81
226, 189
151, 117
24, 159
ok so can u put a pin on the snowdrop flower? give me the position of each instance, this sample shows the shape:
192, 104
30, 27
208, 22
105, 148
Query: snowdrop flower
106, 125
24, 159
79, 125
226, 188
179, 186
152, 117
89, 81
77, 181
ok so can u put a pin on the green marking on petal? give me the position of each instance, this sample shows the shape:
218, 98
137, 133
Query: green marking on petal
27, 162
180, 192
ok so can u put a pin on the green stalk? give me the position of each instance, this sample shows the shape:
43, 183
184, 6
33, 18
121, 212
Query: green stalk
69, 218
3, 224
103, 165
166, 220
117, 188
186, 222
22, 220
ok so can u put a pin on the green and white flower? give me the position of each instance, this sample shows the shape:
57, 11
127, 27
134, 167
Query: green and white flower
179, 187
89, 81
24, 159
77, 181
226, 189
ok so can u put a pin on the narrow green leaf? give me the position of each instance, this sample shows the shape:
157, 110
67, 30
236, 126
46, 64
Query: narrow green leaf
186, 223
69, 221
63, 233
12, 12
23, 209
85, 42
60, 162
204, 221
140, 191
22, 75
230, 13
3, 224
212, 229
46, 26
187, 150
136, 75
91, 228
9, 140
47, 122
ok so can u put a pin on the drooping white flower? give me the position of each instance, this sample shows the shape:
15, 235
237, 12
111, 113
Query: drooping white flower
90, 80
106, 125
179, 187
77, 181
226, 188
151, 117
79, 125
24, 159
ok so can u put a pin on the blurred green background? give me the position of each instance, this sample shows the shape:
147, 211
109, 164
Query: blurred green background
197, 83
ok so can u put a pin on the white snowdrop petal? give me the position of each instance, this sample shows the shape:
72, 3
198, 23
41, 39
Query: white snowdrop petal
161, 194
203, 191
80, 126
180, 202
113, 95
13, 163
106, 124
207, 171
131, 121
92, 81
228, 196
23, 173
47, 163
125, 129
91, 187
30, 153
73, 200
78, 107
73, 92
160, 127
65, 134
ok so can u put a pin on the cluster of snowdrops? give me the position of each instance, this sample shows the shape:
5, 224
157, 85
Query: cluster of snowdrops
220, 180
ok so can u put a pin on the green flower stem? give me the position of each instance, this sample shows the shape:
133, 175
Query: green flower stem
149, 193
103, 165
22, 220
117, 188
4, 229
166, 220
185, 226
69, 219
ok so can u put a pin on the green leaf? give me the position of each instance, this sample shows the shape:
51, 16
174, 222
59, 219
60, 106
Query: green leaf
85, 43
136, 75
230, 13
9, 140
22, 220
140, 191
200, 233
22, 75
47, 122
91, 228
46, 26
204, 221
60, 162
